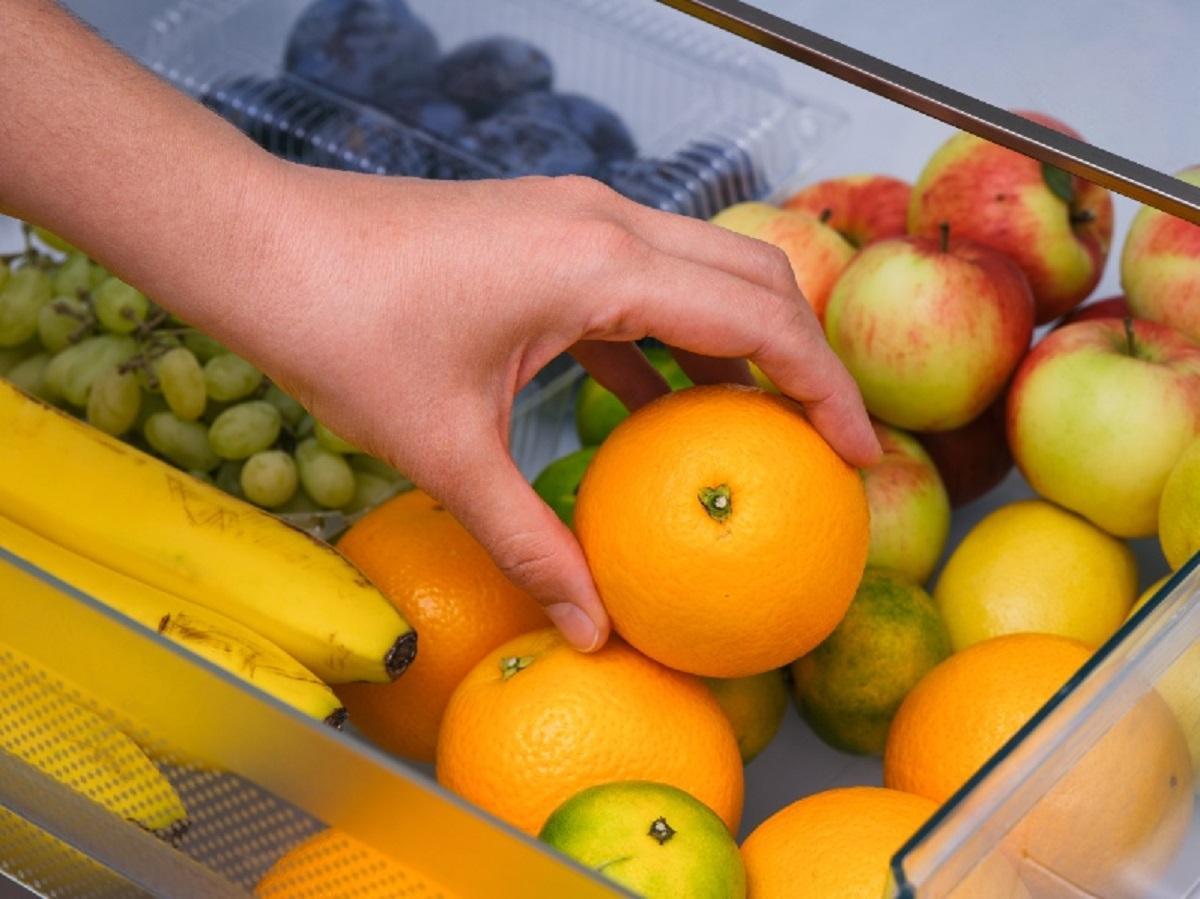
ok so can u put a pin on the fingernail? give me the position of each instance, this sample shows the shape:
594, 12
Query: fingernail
575, 625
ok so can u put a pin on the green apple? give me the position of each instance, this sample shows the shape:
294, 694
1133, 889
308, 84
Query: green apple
598, 411
558, 484
910, 511
1099, 413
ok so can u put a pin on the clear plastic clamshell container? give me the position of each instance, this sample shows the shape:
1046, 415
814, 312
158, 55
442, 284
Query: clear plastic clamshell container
711, 125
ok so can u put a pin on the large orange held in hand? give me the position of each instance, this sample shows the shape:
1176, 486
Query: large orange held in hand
459, 602
1118, 814
536, 721
724, 534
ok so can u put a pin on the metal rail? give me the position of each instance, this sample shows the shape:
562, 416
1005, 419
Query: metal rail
1139, 182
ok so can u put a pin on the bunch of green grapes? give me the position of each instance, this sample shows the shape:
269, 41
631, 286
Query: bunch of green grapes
76, 336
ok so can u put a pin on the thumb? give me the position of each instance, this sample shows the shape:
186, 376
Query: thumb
486, 492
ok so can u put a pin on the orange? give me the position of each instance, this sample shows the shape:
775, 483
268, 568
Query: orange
840, 843
536, 721
1117, 814
334, 865
459, 602
724, 534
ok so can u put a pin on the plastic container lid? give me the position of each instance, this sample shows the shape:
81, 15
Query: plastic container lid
711, 125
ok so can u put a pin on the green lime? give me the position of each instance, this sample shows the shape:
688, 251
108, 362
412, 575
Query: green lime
558, 484
653, 839
850, 686
598, 411
754, 706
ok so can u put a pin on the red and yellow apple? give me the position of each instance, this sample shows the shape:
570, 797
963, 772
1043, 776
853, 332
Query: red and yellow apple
1110, 307
1098, 414
930, 329
910, 512
974, 458
816, 252
1056, 226
861, 208
1160, 267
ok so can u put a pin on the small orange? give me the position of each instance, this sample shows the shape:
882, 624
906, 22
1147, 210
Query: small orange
840, 843
452, 593
334, 865
1117, 814
724, 534
536, 721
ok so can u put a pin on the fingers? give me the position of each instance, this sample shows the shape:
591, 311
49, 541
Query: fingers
483, 489
711, 312
713, 370
620, 367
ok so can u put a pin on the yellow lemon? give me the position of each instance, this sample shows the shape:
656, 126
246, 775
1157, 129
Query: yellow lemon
1032, 567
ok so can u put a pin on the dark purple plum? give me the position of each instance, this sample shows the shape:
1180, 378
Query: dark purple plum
368, 50
483, 75
602, 128
277, 113
429, 110
363, 141
521, 145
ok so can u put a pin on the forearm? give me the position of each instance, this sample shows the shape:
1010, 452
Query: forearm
102, 152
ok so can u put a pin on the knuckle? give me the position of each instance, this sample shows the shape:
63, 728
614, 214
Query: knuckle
584, 190
526, 557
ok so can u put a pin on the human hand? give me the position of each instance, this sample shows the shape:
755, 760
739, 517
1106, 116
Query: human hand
407, 315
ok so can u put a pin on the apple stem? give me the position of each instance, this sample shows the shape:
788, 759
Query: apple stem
944, 227
1129, 335
826, 215
1082, 217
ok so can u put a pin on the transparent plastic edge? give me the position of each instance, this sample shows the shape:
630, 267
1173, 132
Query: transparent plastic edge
1097, 695
366, 809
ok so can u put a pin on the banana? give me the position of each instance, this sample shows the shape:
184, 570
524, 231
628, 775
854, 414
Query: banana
45, 728
113, 504
210, 635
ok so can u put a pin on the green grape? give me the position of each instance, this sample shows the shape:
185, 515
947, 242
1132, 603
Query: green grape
201, 475
377, 467
229, 478
326, 476
114, 402
245, 429
181, 380
52, 240
203, 346
228, 377
332, 441
300, 504
73, 371
98, 275
119, 306
11, 356
305, 427
72, 277
185, 443
269, 478
30, 375
290, 409
370, 490
152, 404
22, 295
60, 320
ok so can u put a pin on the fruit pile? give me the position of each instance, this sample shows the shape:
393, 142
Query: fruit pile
365, 85
76, 336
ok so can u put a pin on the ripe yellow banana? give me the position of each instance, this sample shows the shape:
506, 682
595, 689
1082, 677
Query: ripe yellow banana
47, 729
210, 635
108, 501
